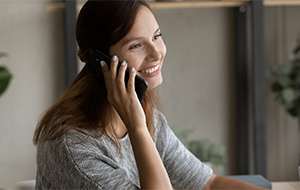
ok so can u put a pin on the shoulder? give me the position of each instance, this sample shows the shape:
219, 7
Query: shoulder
74, 146
75, 158
159, 119
164, 136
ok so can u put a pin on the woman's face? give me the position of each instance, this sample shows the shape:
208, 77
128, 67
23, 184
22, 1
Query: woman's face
143, 48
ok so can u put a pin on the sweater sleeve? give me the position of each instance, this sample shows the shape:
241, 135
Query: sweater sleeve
184, 169
76, 163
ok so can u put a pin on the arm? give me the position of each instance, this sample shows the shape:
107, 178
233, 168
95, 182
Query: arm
152, 172
219, 182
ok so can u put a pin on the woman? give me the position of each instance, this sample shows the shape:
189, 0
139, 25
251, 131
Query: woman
99, 135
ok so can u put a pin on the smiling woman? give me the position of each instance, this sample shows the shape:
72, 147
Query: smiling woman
143, 48
99, 135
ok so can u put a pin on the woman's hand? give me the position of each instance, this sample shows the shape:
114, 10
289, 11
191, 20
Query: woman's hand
152, 172
124, 100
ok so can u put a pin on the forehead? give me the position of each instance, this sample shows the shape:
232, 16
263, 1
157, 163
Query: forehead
144, 24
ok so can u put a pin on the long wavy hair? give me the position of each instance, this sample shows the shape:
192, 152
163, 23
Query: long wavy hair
84, 106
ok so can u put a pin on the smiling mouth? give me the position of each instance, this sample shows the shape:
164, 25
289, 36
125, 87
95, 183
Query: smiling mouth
148, 71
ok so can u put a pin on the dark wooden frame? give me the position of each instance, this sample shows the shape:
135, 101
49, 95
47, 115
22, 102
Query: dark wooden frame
70, 14
259, 87
251, 105
242, 90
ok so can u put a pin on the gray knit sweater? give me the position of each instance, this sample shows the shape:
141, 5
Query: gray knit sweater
76, 161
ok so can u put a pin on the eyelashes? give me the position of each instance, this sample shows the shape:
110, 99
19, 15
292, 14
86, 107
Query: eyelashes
157, 36
137, 45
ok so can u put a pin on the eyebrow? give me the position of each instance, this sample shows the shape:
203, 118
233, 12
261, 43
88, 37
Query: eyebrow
136, 38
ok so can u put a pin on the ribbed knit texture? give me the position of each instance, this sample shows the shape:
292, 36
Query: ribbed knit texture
76, 161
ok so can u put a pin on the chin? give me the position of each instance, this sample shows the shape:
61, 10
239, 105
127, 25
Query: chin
154, 84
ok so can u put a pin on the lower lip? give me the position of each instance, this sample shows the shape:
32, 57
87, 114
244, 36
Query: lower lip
151, 74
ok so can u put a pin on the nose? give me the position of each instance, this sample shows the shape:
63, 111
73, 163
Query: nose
153, 53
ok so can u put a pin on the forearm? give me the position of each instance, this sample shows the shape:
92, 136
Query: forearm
152, 172
224, 183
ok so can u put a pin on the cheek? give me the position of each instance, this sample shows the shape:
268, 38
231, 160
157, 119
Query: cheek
134, 61
163, 48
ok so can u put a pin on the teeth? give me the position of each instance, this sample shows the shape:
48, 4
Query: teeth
150, 70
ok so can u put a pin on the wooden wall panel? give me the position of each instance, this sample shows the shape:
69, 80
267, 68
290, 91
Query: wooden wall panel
281, 32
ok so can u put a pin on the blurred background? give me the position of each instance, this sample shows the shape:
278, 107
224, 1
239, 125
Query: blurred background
198, 93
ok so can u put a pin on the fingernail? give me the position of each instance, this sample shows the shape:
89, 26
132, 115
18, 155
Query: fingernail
123, 63
132, 69
102, 63
114, 58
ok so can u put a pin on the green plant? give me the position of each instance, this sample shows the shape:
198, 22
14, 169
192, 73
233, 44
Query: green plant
206, 151
203, 149
286, 83
5, 76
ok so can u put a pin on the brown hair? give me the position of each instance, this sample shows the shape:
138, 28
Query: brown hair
84, 105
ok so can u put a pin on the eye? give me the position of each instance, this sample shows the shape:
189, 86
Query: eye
135, 46
157, 36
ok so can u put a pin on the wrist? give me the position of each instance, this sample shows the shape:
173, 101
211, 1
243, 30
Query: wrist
137, 129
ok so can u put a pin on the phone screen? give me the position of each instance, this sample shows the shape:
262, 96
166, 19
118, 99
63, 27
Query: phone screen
140, 84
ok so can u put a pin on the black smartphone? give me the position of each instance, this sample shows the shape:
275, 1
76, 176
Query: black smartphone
96, 56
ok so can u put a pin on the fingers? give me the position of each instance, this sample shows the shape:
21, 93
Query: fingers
113, 66
105, 72
111, 74
131, 80
115, 80
124, 100
121, 76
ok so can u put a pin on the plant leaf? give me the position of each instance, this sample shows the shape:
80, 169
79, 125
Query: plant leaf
284, 81
297, 49
269, 73
297, 79
288, 105
284, 69
289, 95
293, 112
5, 77
276, 87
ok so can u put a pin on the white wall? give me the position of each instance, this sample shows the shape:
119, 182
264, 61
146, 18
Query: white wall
199, 87
33, 39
